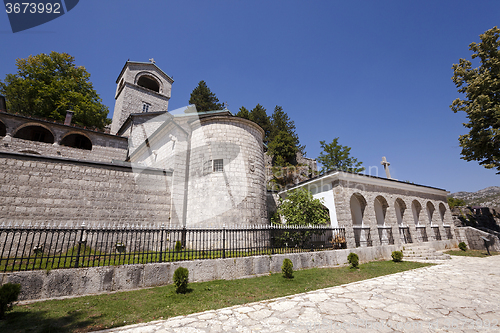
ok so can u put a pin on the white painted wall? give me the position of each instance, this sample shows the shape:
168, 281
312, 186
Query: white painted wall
326, 194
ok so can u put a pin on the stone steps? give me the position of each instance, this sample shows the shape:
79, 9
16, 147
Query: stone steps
422, 252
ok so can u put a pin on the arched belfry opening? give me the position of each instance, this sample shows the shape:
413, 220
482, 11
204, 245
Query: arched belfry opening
148, 82
35, 133
3, 129
77, 141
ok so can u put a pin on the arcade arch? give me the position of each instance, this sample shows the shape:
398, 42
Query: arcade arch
358, 205
35, 133
77, 140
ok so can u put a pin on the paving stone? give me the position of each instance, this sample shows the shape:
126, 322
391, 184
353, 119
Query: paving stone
434, 299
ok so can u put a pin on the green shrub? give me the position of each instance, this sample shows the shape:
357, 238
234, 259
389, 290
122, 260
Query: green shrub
353, 260
181, 277
8, 294
287, 269
397, 256
462, 246
178, 246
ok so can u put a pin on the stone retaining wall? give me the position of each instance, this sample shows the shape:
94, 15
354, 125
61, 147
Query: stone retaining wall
95, 280
48, 190
472, 237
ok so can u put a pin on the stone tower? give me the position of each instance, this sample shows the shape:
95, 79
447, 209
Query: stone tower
141, 87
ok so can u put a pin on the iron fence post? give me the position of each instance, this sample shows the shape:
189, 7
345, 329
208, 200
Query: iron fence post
161, 242
82, 230
224, 242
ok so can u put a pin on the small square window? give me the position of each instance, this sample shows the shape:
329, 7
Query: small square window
219, 165
145, 107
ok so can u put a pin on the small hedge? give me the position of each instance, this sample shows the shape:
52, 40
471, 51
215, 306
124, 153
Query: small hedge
462, 246
287, 269
353, 260
178, 246
397, 256
181, 277
9, 293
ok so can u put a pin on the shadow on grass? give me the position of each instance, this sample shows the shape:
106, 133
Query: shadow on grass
41, 321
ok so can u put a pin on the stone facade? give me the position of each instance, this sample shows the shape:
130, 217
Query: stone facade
40, 190
378, 211
141, 87
103, 147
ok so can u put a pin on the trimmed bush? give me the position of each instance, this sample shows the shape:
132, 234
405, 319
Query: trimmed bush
397, 256
178, 246
353, 260
462, 246
9, 293
287, 269
181, 277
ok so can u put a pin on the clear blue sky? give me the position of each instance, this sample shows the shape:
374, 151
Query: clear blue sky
374, 73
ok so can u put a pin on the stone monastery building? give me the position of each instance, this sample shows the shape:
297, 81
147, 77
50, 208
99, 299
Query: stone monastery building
184, 168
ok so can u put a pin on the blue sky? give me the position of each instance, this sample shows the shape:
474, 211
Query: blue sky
376, 74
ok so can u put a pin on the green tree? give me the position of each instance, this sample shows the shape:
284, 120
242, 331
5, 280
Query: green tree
283, 149
280, 122
481, 87
301, 208
48, 85
336, 156
204, 98
258, 115
454, 202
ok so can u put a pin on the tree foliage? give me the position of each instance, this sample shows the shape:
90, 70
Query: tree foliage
481, 87
454, 202
259, 116
336, 156
204, 98
301, 208
48, 85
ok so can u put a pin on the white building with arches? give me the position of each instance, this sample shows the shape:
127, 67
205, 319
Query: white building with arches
379, 211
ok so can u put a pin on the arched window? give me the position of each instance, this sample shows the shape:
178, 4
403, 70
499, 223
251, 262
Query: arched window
442, 211
400, 207
3, 129
358, 205
380, 206
77, 141
430, 211
149, 83
35, 133
416, 208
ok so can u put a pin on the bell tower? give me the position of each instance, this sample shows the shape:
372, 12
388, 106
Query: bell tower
141, 87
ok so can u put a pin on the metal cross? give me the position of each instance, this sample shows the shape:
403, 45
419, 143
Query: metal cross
152, 60
386, 167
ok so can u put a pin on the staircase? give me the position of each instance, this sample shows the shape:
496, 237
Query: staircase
422, 252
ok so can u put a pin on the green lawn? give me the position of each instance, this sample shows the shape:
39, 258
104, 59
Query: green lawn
471, 253
83, 314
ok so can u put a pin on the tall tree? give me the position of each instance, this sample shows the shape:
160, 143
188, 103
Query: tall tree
258, 115
336, 156
49, 85
280, 122
204, 98
481, 87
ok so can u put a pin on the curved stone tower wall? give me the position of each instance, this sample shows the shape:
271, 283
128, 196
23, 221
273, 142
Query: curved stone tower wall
234, 196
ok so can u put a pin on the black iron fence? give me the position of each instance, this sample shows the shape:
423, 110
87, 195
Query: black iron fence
404, 233
447, 230
437, 233
33, 248
422, 234
362, 236
385, 235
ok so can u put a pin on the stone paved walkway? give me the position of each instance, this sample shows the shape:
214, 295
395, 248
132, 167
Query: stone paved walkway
459, 295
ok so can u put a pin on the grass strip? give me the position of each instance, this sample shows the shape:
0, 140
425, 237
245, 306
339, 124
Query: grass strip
89, 313
471, 253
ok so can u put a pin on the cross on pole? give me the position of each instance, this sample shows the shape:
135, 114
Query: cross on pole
386, 167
